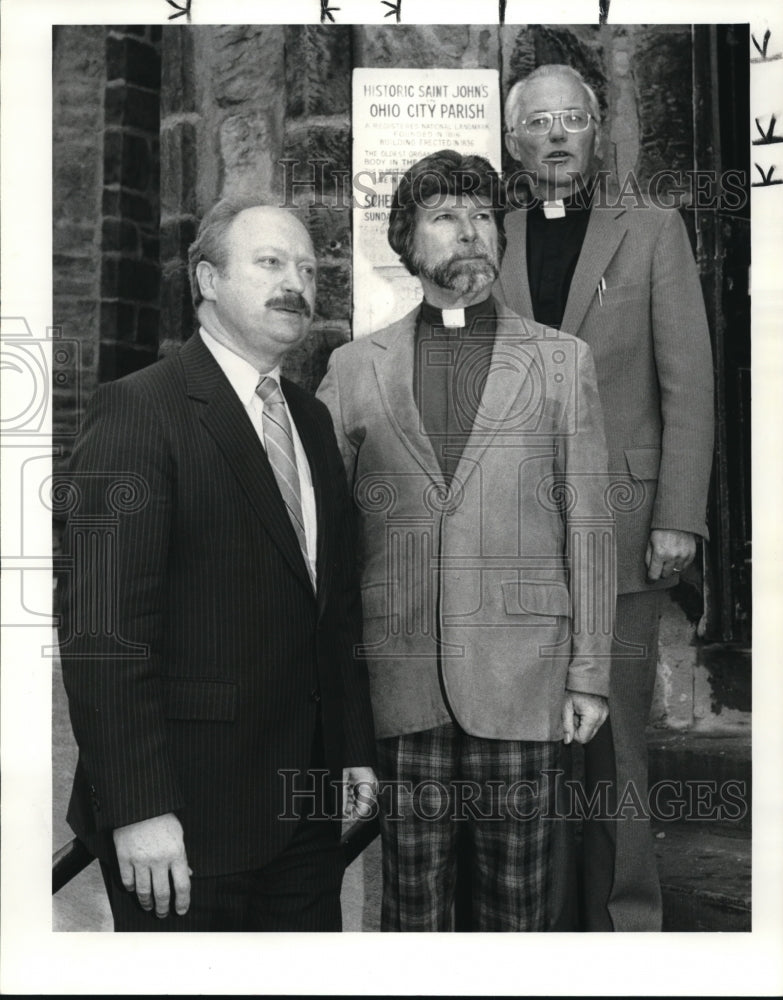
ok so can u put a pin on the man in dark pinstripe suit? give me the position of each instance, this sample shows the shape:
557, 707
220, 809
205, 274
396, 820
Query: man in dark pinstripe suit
221, 706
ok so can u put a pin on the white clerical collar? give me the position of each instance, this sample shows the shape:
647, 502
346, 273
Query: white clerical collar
554, 209
240, 373
453, 317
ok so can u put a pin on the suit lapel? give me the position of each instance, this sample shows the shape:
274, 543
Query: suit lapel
394, 373
605, 232
224, 418
514, 271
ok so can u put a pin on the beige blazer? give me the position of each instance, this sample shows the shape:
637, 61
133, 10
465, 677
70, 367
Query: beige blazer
648, 333
496, 595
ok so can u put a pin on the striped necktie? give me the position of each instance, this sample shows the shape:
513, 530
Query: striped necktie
280, 452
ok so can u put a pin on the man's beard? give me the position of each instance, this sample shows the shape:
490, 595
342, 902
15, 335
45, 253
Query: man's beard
460, 275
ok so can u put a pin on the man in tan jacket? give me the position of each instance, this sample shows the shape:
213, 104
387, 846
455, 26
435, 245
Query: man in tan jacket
620, 275
473, 443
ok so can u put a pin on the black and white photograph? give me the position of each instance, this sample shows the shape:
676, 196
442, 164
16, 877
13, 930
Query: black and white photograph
386, 417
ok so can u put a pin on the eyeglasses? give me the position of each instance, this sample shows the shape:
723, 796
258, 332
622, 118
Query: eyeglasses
572, 120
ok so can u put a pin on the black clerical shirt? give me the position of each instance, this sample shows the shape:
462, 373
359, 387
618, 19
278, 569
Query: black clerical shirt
553, 248
449, 372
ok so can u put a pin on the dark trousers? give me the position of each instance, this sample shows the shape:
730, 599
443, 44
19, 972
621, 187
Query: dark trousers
621, 891
299, 890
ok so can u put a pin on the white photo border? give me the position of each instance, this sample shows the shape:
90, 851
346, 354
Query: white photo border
33, 958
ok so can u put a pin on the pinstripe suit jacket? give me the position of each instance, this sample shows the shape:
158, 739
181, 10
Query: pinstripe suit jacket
203, 679
650, 342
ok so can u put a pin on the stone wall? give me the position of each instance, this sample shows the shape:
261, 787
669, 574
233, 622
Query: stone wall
318, 154
265, 104
222, 111
700, 686
179, 151
79, 79
648, 122
187, 114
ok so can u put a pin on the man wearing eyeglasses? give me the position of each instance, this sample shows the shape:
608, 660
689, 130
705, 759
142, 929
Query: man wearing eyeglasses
621, 277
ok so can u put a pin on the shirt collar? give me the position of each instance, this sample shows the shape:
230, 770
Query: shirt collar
580, 200
240, 373
478, 311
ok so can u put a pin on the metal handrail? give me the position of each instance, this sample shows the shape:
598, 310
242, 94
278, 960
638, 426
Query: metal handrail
74, 857
71, 859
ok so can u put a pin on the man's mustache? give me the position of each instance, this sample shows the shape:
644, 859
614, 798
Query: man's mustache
292, 301
474, 255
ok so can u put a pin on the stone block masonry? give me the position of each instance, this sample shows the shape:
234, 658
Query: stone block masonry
153, 124
222, 112
79, 75
317, 144
236, 102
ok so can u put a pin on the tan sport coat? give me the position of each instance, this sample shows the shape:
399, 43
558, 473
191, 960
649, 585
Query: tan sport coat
496, 568
648, 333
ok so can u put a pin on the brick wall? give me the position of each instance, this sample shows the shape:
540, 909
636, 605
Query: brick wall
130, 272
105, 219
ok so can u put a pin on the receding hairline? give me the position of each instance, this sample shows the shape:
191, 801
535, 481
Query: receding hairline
273, 211
268, 239
547, 71
216, 229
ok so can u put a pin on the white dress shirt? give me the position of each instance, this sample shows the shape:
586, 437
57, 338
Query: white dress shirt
244, 379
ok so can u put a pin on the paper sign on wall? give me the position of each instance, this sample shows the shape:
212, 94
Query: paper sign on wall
400, 115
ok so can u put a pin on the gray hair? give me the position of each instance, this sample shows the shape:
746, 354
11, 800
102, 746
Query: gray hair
514, 99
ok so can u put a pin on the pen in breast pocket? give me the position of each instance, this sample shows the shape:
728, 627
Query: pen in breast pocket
601, 290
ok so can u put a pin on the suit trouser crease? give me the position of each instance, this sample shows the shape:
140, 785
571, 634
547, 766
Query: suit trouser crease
621, 886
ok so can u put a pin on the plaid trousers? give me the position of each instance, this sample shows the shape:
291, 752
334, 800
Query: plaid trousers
431, 782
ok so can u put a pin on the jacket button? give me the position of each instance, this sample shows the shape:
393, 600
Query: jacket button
315, 695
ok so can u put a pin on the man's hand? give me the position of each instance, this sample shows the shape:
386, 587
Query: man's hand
668, 552
583, 716
360, 786
149, 852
